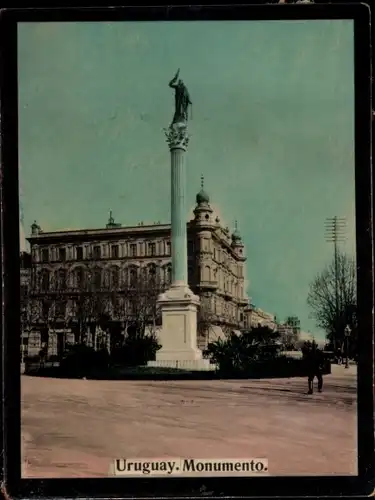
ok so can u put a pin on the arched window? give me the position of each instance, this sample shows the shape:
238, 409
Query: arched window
133, 276
96, 279
115, 277
79, 277
151, 273
124, 277
45, 281
45, 310
107, 278
62, 279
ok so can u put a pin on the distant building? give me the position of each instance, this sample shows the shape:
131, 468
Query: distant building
285, 330
115, 256
309, 337
295, 323
254, 316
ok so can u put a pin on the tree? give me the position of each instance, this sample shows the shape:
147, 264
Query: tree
332, 299
89, 300
41, 305
206, 319
134, 308
239, 352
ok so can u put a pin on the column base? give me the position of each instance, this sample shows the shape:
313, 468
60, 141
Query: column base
178, 293
178, 335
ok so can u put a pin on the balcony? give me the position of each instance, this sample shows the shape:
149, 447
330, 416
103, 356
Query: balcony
208, 285
243, 301
228, 295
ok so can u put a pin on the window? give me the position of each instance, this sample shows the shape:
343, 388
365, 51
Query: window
45, 280
62, 279
45, 255
97, 278
151, 273
79, 253
97, 252
115, 277
62, 254
190, 248
168, 247
133, 250
133, 276
151, 249
60, 309
79, 277
45, 310
114, 251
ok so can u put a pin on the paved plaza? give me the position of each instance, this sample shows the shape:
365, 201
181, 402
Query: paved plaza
74, 428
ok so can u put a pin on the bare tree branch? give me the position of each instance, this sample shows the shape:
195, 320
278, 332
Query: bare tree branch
332, 313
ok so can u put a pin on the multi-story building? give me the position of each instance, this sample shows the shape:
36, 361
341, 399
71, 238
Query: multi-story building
257, 317
25, 276
116, 256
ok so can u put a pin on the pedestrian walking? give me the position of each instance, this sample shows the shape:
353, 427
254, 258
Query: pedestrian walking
314, 359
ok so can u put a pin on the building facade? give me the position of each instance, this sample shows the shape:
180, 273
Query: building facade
114, 257
254, 316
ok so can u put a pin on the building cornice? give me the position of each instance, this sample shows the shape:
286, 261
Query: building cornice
125, 232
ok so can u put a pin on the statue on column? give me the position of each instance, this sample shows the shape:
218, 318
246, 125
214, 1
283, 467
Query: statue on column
176, 134
182, 100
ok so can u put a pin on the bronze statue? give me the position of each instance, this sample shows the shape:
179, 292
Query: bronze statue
182, 99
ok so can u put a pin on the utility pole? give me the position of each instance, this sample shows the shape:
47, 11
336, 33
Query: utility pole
335, 232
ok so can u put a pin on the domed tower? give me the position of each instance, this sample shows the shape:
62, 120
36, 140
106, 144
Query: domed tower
203, 212
204, 225
237, 243
239, 250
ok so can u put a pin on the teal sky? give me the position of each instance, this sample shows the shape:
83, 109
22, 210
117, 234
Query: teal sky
272, 132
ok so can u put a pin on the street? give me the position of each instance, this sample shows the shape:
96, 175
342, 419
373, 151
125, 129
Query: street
75, 428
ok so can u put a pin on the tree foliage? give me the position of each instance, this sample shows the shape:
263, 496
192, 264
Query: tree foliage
238, 352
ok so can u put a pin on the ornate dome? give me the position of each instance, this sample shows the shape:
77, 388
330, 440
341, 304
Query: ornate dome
202, 196
236, 236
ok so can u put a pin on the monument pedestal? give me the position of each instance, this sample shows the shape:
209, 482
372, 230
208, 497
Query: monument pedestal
178, 335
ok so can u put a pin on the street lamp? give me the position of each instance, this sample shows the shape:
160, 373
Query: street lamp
347, 333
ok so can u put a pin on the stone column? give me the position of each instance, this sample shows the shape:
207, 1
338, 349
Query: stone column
178, 335
178, 139
178, 215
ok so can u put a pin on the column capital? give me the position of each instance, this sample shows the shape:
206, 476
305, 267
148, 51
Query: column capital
177, 136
